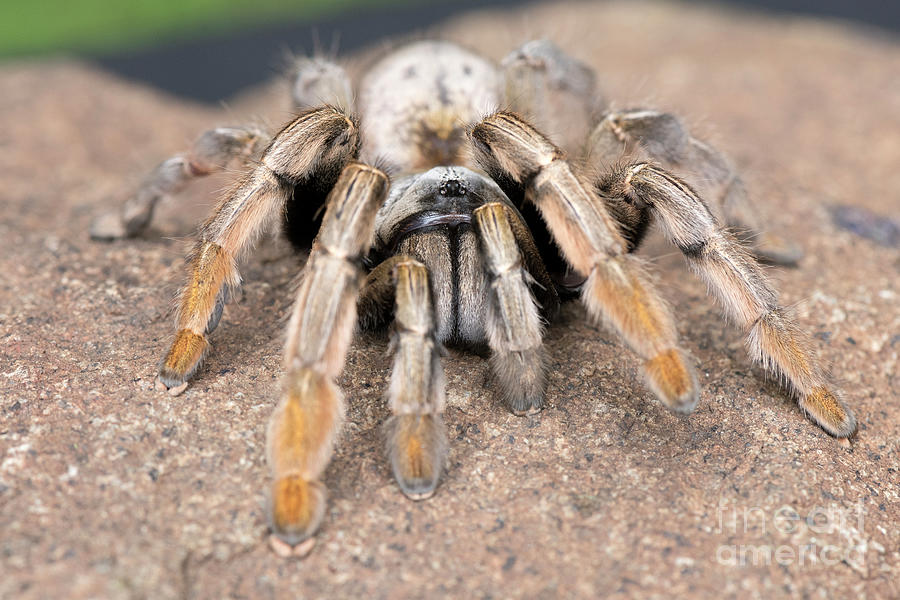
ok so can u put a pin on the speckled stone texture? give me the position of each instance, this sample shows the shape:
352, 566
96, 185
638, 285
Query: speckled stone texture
110, 489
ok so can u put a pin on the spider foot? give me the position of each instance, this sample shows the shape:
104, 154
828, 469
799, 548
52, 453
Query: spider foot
181, 362
108, 227
782, 347
827, 410
417, 447
296, 511
673, 380
285, 550
171, 390
522, 379
526, 410
300, 438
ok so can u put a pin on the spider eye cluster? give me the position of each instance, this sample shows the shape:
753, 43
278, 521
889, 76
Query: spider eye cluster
453, 188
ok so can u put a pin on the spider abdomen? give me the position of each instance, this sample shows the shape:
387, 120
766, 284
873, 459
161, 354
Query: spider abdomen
417, 101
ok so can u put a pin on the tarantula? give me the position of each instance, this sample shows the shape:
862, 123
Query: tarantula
484, 228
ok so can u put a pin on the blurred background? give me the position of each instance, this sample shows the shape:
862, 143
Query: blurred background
207, 50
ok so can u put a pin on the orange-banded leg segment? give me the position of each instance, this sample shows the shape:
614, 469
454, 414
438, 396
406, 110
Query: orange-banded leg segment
324, 139
741, 286
303, 428
200, 305
399, 287
620, 293
213, 271
415, 436
212, 152
299, 444
617, 289
514, 325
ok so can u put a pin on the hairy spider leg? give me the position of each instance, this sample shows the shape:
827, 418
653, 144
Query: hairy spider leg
303, 427
649, 135
617, 289
515, 331
742, 288
315, 140
211, 152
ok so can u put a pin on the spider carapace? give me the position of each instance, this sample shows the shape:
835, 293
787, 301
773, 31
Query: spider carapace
483, 227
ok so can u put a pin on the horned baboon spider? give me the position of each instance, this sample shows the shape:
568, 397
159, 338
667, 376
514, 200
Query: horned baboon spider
483, 229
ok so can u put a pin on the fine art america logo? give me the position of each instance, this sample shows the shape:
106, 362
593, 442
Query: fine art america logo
826, 535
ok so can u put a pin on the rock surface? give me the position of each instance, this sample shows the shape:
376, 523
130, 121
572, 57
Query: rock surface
109, 489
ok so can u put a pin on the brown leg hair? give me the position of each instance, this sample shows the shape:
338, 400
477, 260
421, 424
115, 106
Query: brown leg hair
316, 140
304, 425
415, 435
617, 290
773, 339
514, 325
416, 440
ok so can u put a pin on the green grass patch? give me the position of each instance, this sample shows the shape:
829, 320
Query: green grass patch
96, 26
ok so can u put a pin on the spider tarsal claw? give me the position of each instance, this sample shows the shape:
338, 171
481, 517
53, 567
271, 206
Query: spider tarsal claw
173, 391
285, 550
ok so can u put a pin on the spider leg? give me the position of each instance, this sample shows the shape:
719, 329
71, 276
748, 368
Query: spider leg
416, 438
375, 305
317, 140
303, 427
617, 288
737, 280
557, 92
514, 325
212, 152
318, 82
663, 137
